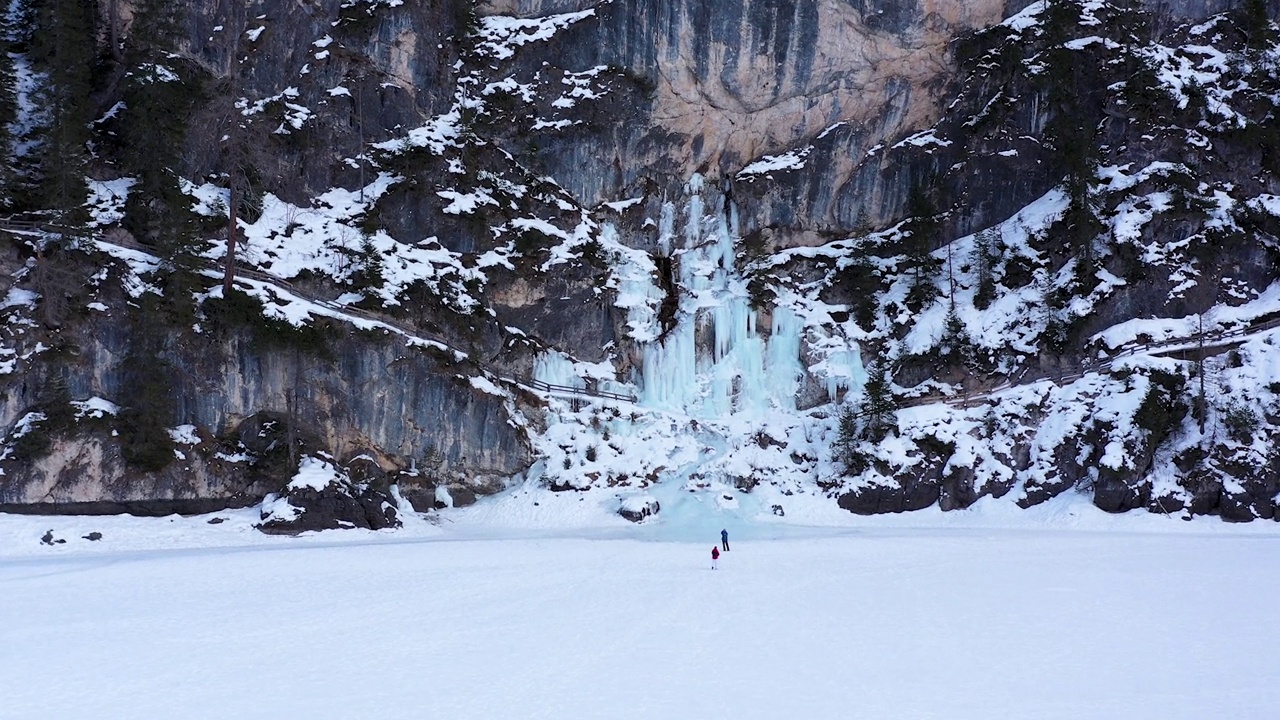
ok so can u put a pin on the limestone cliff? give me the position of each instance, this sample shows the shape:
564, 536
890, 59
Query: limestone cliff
728, 209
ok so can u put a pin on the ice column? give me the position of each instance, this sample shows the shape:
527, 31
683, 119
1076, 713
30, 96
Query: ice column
784, 369
637, 293
843, 369
670, 370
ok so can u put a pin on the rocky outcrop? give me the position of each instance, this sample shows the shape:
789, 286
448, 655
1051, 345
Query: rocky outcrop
86, 474
246, 390
916, 494
637, 508
323, 497
714, 86
395, 63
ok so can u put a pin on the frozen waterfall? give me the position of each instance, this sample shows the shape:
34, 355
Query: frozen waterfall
714, 362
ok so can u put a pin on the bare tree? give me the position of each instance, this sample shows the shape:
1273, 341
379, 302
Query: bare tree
235, 157
114, 22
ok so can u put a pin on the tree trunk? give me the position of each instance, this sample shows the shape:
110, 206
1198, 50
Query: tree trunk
113, 26
229, 269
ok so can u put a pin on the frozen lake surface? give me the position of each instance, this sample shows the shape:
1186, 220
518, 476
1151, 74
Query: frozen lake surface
928, 616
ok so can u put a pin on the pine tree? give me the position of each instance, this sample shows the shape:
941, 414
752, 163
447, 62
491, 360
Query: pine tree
878, 409
870, 419
922, 228
22, 174
240, 142
60, 47
1072, 126
956, 348
1256, 23
158, 98
847, 442
984, 256
861, 281
63, 49
367, 269
1142, 95
8, 114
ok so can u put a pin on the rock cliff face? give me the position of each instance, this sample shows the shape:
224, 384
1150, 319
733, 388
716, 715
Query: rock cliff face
245, 396
727, 208
725, 83
397, 68
734, 81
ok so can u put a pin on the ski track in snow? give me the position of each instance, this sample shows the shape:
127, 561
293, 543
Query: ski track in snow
1055, 612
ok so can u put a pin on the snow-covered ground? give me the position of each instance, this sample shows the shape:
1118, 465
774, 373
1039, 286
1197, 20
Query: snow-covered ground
491, 612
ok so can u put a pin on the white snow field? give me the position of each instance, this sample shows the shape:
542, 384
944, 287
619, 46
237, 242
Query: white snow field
1058, 612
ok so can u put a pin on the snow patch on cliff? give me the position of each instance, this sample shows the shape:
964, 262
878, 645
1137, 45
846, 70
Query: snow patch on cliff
500, 35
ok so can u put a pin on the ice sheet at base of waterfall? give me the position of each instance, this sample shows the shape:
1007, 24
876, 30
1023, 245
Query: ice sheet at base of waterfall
479, 622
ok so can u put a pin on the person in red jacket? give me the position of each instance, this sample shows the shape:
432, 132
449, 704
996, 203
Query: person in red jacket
715, 555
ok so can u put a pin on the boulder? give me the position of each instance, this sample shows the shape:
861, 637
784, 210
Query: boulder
956, 490
914, 488
1114, 492
638, 507
322, 497
910, 494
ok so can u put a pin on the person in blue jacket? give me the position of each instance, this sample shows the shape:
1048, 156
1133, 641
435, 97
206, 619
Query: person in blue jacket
724, 539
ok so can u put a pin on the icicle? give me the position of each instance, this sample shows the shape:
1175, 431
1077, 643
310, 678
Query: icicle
638, 292
844, 371
666, 227
753, 391
670, 370
692, 230
724, 237
556, 368
785, 370
722, 318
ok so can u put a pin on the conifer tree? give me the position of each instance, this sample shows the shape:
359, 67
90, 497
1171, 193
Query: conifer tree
1256, 23
8, 114
847, 441
158, 97
922, 227
870, 419
60, 46
367, 268
22, 176
63, 48
239, 142
1072, 125
956, 347
878, 409
984, 256
1143, 99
